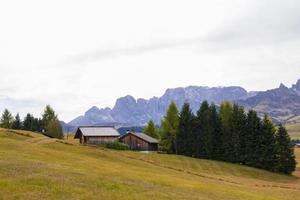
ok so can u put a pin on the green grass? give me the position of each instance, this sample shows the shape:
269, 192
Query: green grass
294, 129
35, 167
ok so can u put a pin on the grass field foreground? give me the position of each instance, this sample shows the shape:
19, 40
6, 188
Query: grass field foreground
36, 167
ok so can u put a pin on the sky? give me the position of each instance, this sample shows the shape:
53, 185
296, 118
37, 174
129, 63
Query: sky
77, 54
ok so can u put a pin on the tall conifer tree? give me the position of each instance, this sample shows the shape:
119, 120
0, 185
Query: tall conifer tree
226, 121
7, 119
17, 122
28, 122
253, 137
184, 136
151, 130
204, 131
48, 115
286, 157
51, 123
269, 149
238, 128
216, 132
169, 129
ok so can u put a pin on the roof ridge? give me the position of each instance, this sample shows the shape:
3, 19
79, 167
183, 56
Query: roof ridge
143, 136
96, 126
98, 131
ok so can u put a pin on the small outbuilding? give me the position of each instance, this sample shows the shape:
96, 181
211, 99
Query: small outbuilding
97, 134
139, 141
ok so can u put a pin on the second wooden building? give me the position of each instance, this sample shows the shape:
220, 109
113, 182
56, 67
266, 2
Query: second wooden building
139, 141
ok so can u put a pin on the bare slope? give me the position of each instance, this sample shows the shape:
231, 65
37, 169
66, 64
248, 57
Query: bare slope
35, 167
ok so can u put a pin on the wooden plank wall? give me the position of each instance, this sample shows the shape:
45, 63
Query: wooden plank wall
135, 143
100, 139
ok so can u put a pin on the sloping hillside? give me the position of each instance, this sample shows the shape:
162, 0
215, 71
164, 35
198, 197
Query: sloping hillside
294, 129
35, 167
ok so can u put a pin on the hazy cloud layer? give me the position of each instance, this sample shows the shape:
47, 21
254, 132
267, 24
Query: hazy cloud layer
112, 53
90, 52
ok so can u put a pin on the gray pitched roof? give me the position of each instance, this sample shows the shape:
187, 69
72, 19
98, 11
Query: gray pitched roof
143, 136
98, 131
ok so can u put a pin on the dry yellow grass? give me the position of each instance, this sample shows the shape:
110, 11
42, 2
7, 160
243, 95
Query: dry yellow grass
294, 129
35, 167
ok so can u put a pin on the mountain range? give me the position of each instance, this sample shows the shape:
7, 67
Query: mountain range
282, 104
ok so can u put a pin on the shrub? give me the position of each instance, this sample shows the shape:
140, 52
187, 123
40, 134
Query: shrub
117, 146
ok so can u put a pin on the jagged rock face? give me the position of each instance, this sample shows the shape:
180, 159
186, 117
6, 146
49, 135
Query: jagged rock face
126, 110
138, 112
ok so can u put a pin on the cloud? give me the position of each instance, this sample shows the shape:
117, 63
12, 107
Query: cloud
268, 22
271, 22
135, 50
75, 61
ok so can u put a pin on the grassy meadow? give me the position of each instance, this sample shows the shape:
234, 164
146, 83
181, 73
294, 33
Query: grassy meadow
35, 167
294, 129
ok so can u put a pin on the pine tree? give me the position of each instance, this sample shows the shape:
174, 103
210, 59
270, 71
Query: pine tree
286, 156
51, 123
48, 115
32, 124
216, 131
37, 124
17, 122
151, 130
7, 119
204, 131
238, 128
226, 121
28, 122
253, 139
184, 137
169, 129
268, 149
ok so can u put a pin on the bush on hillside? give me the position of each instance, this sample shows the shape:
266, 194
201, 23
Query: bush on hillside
117, 146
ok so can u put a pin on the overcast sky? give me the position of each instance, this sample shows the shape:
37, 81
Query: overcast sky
76, 54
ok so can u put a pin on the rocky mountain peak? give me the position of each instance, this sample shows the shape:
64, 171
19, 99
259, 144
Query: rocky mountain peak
125, 101
93, 109
297, 86
282, 86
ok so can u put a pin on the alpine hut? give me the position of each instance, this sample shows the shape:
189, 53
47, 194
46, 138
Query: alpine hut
96, 134
139, 141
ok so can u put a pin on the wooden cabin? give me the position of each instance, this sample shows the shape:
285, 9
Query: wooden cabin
139, 141
97, 134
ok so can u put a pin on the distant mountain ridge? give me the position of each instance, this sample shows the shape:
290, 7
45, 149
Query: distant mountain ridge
281, 104
137, 112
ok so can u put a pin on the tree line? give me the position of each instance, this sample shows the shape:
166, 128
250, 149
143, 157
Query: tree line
48, 123
227, 133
